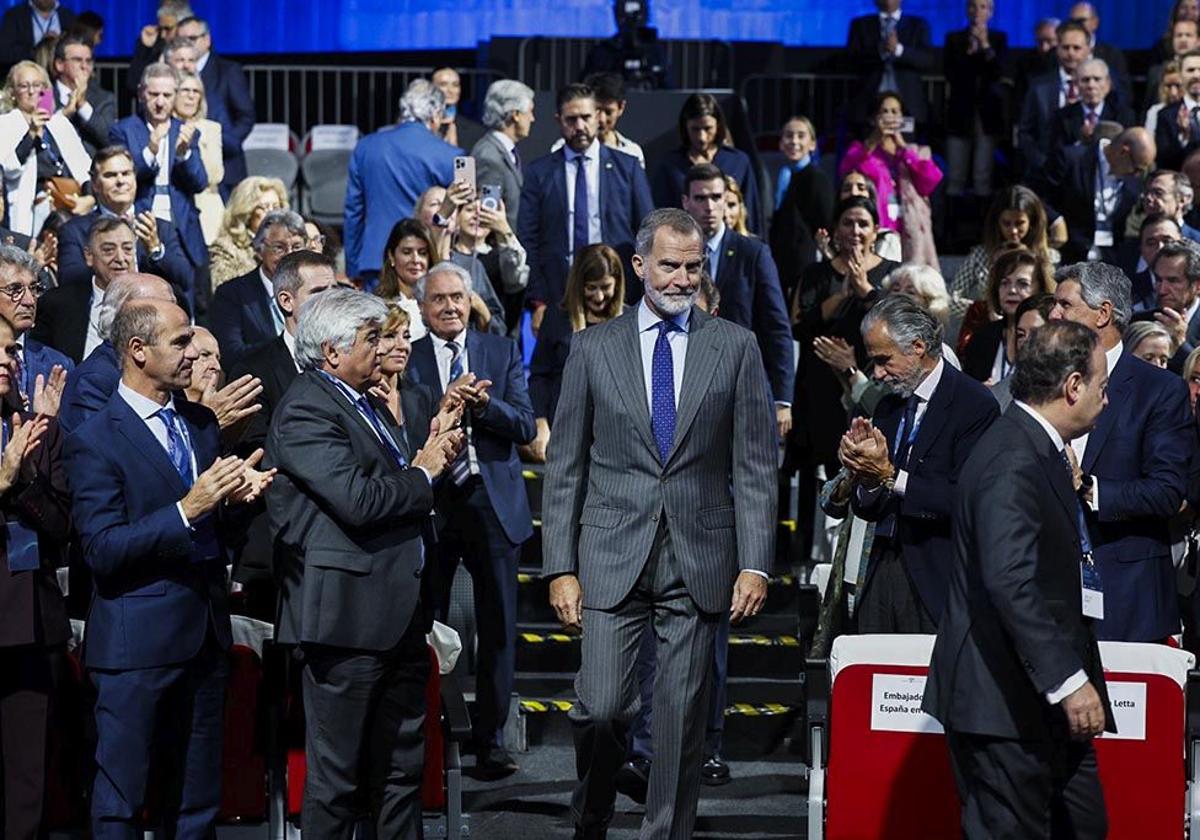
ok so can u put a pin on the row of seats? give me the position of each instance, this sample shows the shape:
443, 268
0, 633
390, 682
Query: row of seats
313, 169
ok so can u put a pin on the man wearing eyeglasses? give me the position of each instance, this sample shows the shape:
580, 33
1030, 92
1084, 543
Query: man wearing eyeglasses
243, 313
25, 25
90, 109
20, 289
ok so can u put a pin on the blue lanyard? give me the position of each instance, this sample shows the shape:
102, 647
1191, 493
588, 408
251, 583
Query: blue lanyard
912, 435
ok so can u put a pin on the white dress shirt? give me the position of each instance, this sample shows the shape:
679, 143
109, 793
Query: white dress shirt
93, 339
202, 61
148, 410
591, 169
678, 339
924, 394
1077, 680
1064, 82
444, 356
712, 250
65, 93
620, 142
161, 163
352, 397
508, 144
895, 16
289, 341
1104, 204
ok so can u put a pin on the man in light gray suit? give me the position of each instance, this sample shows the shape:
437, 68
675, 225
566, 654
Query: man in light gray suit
508, 112
667, 523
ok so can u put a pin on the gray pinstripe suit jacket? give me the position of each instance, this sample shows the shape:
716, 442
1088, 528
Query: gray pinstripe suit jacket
606, 487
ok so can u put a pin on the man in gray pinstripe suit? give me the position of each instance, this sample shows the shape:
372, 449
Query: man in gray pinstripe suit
659, 513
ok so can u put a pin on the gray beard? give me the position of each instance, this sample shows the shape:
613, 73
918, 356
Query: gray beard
670, 305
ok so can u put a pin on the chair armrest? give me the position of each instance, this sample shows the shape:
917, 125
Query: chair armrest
1192, 707
816, 707
455, 719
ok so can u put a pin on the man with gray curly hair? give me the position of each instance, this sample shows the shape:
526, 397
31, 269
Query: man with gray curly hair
389, 171
508, 113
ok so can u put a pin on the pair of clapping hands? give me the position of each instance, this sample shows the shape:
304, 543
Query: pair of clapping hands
863, 451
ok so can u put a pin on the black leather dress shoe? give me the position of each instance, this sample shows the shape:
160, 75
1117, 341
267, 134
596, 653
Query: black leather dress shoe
495, 763
715, 772
591, 832
633, 779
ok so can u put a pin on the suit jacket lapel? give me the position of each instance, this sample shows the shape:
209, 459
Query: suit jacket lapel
606, 188
350, 411
558, 198
505, 156
700, 362
134, 429
935, 415
425, 361
625, 361
260, 309
1118, 386
1056, 470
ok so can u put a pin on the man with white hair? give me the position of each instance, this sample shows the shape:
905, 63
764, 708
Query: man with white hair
508, 113
389, 171
1077, 121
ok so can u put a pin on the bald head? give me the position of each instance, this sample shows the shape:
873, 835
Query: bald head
1131, 152
127, 287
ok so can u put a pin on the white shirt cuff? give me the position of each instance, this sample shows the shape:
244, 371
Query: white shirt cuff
779, 404
858, 386
901, 483
899, 50
1094, 503
761, 574
428, 477
85, 111
182, 515
1069, 686
185, 155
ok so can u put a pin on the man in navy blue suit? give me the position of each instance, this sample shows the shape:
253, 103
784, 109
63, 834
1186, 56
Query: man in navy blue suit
228, 96
610, 186
244, 314
148, 488
482, 502
166, 162
19, 292
159, 248
905, 463
890, 51
389, 171
1133, 464
1048, 93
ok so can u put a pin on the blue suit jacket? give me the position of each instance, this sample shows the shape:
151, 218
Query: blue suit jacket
89, 387
40, 359
496, 432
388, 172
959, 412
751, 297
669, 178
228, 96
153, 599
240, 316
1036, 123
1138, 455
542, 223
187, 178
173, 267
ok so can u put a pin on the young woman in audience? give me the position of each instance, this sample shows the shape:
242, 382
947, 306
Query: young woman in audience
1150, 342
407, 255
1016, 274
428, 206
735, 208
35, 152
231, 254
1191, 376
486, 235
887, 242
831, 300
191, 105
595, 293
904, 177
704, 138
1170, 91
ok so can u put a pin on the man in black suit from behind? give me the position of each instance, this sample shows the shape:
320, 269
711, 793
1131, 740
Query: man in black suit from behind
905, 463
1016, 678
890, 51
348, 514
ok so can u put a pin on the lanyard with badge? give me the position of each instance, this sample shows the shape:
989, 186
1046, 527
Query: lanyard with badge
21, 542
1107, 190
1091, 589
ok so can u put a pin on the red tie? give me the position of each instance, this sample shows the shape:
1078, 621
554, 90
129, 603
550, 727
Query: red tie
1091, 119
1072, 92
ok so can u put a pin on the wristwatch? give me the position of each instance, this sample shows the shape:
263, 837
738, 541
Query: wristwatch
850, 372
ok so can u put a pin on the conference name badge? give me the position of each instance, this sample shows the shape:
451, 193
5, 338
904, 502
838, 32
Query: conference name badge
1092, 591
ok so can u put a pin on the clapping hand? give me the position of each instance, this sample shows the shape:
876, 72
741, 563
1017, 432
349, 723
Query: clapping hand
835, 352
157, 134
186, 132
145, 226
48, 391
26, 437
235, 402
440, 449
254, 482
864, 452
473, 392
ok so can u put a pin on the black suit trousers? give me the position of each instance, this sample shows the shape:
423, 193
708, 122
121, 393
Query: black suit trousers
364, 737
26, 684
1027, 790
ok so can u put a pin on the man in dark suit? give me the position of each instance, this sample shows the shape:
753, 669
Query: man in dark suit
167, 164
906, 462
159, 248
1185, 37
890, 51
1016, 678
1178, 130
148, 488
610, 185
26, 25
1077, 122
348, 512
976, 58
1110, 54
1134, 463
20, 289
483, 507
1157, 230
69, 316
508, 113
1096, 230
670, 522
243, 313
1176, 269
77, 94
228, 96
1047, 94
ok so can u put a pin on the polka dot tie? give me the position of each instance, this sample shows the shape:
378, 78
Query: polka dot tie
662, 390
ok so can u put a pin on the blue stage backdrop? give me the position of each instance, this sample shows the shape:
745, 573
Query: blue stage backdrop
285, 26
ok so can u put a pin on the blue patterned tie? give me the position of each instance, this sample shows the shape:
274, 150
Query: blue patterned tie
177, 446
456, 365
580, 220
368, 411
662, 390
460, 468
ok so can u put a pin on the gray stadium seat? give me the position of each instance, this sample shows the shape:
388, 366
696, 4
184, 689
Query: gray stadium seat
324, 167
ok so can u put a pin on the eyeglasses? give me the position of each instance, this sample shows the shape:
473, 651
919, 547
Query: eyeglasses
16, 291
1017, 284
191, 39
282, 249
317, 241
189, 91
29, 87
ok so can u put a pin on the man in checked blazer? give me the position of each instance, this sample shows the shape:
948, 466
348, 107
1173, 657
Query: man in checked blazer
672, 519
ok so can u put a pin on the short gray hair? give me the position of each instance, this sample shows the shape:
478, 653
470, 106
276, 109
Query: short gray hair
502, 98
179, 8
289, 219
930, 285
444, 267
334, 317
1098, 62
287, 276
158, 70
175, 45
136, 320
422, 102
1139, 331
1100, 282
13, 257
672, 217
1180, 185
1185, 248
906, 321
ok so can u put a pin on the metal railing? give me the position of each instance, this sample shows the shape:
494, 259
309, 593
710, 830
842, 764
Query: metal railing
549, 63
306, 95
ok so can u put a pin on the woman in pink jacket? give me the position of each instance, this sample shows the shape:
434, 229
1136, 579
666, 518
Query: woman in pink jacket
904, 177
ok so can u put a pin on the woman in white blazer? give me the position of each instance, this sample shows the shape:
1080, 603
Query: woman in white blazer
191, 105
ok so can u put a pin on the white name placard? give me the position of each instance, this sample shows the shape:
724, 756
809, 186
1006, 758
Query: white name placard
1128, 700
896, 704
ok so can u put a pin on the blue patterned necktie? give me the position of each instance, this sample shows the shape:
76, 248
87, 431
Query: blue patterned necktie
177, 446
662, 390
460, 468
456, 365
906, 432
367, 410
579, 239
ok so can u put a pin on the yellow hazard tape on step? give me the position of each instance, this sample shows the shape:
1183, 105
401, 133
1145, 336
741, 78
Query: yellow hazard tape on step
765, 641
536, 707
540, 638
